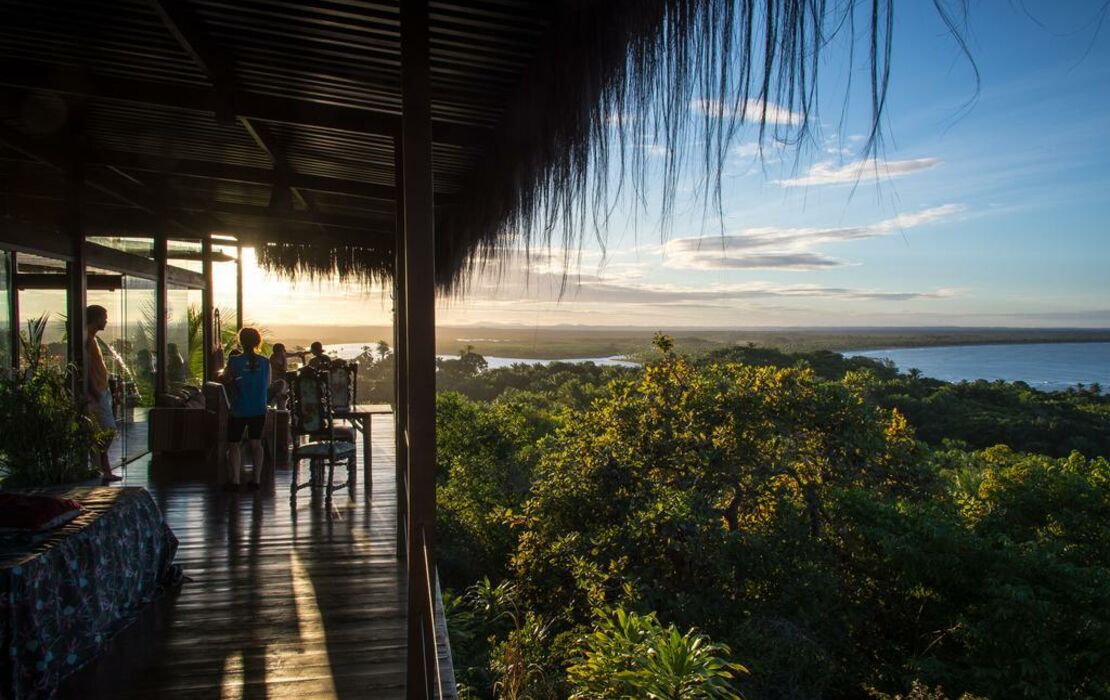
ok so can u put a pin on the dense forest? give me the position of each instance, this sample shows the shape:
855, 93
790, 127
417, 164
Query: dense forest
770, 525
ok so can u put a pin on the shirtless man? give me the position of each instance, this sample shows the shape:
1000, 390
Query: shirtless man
99, 397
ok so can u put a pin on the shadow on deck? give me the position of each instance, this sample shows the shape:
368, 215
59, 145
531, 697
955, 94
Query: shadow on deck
285, 601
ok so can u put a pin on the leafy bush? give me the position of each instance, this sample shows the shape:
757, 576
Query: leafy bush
634, 656
45, 435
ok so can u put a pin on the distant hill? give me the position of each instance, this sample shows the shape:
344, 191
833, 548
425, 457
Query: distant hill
577, 341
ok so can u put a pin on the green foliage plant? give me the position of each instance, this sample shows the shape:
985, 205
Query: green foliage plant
628, 655
45, 435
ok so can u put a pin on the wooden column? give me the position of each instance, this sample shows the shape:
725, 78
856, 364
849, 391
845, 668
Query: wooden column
77, 291
13, 309
419, 272
161, 312
238, 287
400, 352
206, 309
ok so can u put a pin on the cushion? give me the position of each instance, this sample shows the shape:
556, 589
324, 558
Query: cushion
323, 449
22, 511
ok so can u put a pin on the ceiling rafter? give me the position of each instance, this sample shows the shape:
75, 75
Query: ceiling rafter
253, 105
189, 31
124, 189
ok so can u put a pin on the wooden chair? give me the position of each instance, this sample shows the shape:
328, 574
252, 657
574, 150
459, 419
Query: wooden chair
312, 416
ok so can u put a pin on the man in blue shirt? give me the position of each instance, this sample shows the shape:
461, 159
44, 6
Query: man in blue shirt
247, 378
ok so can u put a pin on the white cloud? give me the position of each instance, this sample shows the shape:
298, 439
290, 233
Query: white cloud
750, 110
770, 247
828, 173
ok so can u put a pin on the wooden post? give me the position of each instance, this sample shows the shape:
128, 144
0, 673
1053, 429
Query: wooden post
161, 311
400, 351
206, 309
13, 308
419, 264
77, 291
239, 286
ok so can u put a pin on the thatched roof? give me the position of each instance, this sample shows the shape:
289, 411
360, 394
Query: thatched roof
277, 124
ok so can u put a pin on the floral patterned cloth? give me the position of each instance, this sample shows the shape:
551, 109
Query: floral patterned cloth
64, 593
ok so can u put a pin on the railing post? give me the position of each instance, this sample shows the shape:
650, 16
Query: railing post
419, 263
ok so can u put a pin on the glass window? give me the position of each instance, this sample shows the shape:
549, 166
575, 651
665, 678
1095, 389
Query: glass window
45, 302
184, 254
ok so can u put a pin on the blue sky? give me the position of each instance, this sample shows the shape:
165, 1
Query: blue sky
993, 213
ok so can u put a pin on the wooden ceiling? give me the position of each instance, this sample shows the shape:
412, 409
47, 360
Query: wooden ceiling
272, 119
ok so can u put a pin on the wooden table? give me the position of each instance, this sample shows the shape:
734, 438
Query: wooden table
361, 415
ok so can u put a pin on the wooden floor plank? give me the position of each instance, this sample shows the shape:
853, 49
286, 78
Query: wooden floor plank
286, 601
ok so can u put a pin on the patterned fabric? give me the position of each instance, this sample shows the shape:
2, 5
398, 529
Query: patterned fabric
324, 449
63, 594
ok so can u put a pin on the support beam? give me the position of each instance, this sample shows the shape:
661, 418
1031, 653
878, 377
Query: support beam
109, 183
400, 357
161, 313
239, 287
206, 310
61, 282
77, 293
419, 262
269, 108
13, 310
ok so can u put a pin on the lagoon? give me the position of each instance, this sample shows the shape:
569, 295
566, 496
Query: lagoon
1044, 366
349, 351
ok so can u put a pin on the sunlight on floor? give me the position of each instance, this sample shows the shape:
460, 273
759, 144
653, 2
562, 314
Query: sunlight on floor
232, 686
309, 620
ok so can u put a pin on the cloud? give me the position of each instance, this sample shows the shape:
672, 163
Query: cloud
828, 173
752, 110
770, 247
595, 289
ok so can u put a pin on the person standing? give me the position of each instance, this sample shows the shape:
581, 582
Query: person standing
247, 378
97, 392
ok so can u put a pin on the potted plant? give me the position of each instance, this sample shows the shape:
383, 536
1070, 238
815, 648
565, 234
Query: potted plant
45, 435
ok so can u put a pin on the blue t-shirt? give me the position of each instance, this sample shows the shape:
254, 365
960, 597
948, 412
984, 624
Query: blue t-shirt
248, 389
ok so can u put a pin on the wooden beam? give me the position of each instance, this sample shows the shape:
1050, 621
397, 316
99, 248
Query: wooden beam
13, 310
97, 255
184, 279
422, 677
58, 157
209, 170
161, 312
43, 280
76, 268
51, 243
400, 355
206, 306
268, 108
239, 287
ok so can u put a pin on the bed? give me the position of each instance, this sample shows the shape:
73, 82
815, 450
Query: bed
64, 593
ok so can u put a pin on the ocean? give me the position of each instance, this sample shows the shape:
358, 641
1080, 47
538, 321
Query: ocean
1045, 366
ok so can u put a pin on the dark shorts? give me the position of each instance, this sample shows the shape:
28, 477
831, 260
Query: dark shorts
253, 426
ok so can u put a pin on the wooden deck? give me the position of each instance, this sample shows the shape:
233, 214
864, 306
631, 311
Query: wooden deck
285, 601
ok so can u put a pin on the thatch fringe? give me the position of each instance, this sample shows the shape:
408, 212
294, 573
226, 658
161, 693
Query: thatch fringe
363, 265
681, 75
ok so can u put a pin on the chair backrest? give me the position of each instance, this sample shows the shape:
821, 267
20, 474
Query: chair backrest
310, 408
342, 381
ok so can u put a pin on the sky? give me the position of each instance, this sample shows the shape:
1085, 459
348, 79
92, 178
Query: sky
982, 209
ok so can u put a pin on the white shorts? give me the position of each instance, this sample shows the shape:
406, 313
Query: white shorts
102, 412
